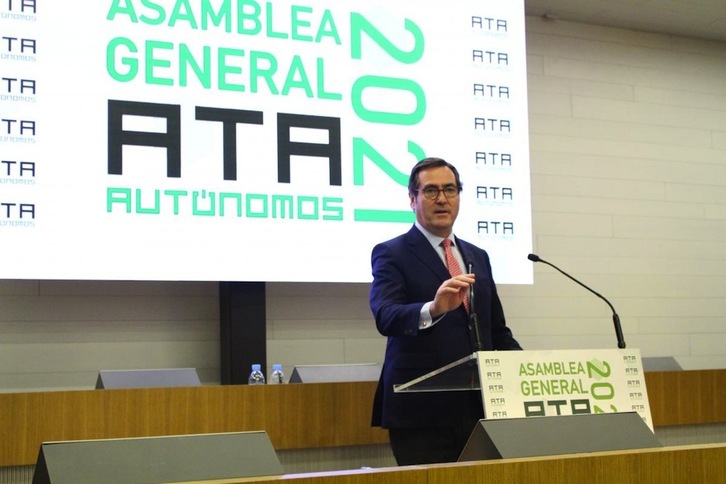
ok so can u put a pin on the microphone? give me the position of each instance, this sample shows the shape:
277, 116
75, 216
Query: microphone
616, 318
473, 322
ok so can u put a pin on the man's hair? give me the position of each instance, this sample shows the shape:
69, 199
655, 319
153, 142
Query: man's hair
425, 164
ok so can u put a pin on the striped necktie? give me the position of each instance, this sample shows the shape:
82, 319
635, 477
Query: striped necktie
453, 266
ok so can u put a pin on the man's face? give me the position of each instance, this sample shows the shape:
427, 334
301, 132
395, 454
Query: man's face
439, 214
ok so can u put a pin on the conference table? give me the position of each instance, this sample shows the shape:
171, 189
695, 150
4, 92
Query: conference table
318, 415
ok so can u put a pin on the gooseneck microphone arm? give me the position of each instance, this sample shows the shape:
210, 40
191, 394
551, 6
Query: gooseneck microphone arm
616, 318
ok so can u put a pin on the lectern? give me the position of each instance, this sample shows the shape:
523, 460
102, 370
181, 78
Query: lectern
549, 402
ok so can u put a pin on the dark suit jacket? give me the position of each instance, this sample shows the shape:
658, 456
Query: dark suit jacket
407, 271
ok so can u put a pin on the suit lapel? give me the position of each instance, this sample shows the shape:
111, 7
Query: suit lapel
422, 250
464, 251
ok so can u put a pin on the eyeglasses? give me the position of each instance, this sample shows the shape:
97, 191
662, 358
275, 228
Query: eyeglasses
432, 193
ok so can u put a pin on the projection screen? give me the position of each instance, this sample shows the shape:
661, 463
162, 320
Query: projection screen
241, 140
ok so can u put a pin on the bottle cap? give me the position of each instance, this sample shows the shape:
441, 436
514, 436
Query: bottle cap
277, 367
256, 367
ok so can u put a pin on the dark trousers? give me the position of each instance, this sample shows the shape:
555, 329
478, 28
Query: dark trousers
429, 445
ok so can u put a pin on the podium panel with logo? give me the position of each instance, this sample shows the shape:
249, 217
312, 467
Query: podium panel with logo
557, 383
546, 383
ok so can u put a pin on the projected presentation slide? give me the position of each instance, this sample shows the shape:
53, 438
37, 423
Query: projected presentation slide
242, 140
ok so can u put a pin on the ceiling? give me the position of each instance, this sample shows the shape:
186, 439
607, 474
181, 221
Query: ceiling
703, 19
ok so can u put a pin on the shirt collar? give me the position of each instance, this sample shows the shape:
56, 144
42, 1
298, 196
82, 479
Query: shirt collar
433, 239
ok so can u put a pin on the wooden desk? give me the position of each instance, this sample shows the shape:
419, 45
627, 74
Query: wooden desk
687, 397
295, 416
668, 465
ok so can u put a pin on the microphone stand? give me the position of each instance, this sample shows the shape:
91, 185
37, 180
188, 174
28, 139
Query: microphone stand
616, 318
473, 321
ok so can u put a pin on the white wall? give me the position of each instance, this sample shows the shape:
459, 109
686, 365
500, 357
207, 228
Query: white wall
628, 144
628, 161
59, 334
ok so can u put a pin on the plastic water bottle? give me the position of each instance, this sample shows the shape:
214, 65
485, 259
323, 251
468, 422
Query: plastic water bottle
256, 377
277, 376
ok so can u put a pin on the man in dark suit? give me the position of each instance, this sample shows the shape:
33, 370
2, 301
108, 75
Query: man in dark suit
423, 310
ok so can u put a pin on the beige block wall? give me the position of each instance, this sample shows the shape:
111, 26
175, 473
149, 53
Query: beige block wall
628, 173
628, 163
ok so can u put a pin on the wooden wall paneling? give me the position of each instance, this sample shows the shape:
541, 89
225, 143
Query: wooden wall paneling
295, 416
